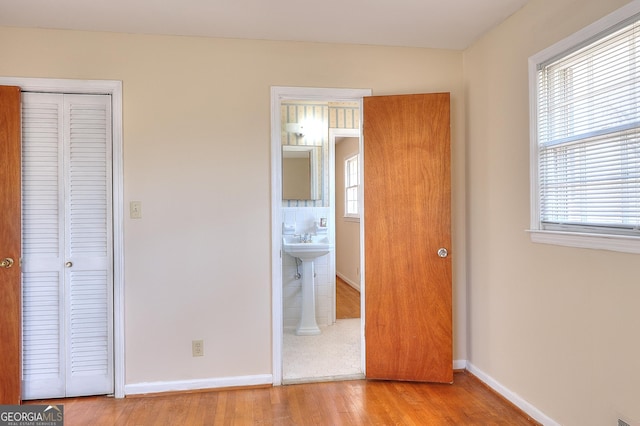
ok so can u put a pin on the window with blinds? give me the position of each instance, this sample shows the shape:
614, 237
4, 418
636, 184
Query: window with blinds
351, 183
587, 134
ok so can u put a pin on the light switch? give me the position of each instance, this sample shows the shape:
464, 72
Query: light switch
135, 210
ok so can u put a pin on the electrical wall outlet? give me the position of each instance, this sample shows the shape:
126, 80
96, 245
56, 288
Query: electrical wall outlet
197, 347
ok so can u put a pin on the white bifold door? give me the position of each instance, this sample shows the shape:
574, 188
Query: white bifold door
67, 259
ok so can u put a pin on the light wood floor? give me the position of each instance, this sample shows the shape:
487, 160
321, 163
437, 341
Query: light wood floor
347, 300
359, 402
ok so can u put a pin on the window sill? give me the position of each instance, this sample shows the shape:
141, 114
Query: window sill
619, 243
351, 219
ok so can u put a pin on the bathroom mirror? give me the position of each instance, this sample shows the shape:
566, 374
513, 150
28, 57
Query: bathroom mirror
300, 172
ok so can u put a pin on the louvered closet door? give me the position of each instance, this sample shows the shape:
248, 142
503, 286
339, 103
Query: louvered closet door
67, 246
42, 247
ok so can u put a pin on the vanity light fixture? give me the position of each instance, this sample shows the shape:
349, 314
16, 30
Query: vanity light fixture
296, 128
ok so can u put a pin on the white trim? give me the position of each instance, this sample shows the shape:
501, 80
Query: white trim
610, 242
197, 384
606, 241
361, 207
113, 88
276, 237
279, 93
118, 242
511, 396
60, 85
332, 237
534, 187
459, 364
587, 32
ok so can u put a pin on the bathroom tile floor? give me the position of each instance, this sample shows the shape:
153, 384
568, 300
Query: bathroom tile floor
332, 355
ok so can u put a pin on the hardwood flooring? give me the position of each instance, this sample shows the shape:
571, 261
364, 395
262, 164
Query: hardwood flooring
359, 402
347, 300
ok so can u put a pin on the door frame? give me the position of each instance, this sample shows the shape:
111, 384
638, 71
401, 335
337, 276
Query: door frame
335, 133
278, 94
113, 88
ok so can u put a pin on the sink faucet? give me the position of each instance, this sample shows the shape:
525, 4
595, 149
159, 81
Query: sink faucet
303, 238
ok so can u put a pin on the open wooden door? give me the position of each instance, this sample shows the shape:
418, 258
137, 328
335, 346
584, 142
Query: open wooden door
407, 222
10, 228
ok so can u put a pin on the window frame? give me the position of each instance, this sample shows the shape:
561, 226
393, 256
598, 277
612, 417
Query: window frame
349, 158
570, 238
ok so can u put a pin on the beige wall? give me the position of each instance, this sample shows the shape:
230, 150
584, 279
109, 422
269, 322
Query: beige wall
558, 326
197, 155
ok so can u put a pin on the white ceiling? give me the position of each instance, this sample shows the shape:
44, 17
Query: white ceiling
446, 24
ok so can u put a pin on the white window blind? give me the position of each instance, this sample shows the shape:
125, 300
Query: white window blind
588, 135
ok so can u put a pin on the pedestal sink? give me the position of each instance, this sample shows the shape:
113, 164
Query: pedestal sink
307, 251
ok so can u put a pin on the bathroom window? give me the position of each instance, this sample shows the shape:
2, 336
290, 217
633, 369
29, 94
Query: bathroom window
586, 138
351, 186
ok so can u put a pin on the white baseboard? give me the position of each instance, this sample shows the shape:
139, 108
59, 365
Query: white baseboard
352, 283
187, 385
459, 364
512, 397
215, 383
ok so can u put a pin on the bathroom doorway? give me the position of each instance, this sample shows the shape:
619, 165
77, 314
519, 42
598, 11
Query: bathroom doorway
395, 149
337, 353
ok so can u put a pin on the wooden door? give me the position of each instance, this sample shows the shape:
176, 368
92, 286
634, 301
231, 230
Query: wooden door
407, 185
10, 289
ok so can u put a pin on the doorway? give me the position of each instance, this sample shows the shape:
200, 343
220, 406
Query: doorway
113, 89
406, 189
280, 214
335, 353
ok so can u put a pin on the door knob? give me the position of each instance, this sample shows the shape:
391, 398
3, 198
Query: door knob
6, 263
443, 252
68, 264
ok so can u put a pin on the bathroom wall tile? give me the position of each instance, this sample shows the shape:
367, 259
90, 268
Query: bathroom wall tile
293, 294
304, 219
322, 291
